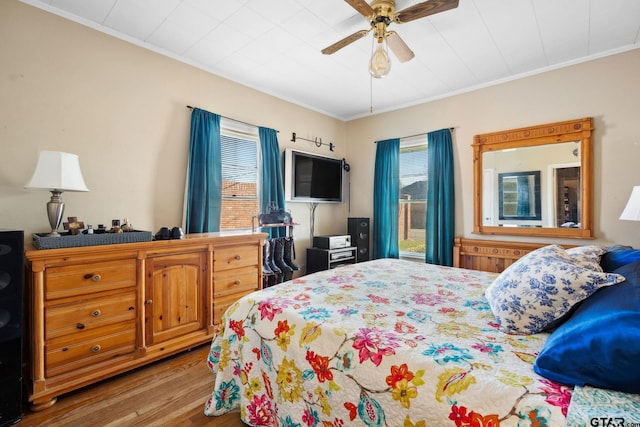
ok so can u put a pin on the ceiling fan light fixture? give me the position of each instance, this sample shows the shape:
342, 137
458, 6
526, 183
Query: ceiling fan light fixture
380, 63
380, 14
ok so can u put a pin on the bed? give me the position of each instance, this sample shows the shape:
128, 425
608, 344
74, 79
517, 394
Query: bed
382, 343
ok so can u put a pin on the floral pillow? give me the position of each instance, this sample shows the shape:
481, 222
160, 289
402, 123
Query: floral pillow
540, 288
588, 256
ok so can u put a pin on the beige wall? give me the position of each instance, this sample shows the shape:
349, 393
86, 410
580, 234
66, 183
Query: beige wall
121, 108
606, 89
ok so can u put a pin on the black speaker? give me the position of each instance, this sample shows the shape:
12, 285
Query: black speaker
11, 325
358, 229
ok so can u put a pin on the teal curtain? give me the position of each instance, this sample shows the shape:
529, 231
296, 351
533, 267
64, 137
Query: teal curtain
440, 198
204, 187
272, 189
386, 189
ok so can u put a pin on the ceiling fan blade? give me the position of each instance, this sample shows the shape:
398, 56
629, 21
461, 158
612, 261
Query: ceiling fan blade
344, 42
362, 7
426, 8
399, 47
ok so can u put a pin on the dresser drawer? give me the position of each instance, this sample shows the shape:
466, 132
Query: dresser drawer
233, 281
87, 314
78, 279
221, 304
234, 257
77, 350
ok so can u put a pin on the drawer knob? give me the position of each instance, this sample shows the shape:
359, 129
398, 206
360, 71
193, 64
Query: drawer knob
96, 348
238, 257
237, 282
149, 301
79, 325
96, 278
96, 313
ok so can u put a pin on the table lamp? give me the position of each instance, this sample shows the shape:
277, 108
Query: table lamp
631, 212
57, 172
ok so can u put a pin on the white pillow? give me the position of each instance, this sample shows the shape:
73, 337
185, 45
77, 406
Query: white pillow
540, 288
588, 256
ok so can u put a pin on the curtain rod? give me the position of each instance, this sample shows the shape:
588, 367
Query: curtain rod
417, 134
229, 118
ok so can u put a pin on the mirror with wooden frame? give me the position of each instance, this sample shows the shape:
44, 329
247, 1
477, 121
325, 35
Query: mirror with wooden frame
535, 181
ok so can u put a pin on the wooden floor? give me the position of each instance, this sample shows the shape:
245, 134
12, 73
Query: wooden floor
171, 392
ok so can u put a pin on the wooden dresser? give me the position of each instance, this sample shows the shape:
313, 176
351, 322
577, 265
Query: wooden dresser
97, 311
490, 255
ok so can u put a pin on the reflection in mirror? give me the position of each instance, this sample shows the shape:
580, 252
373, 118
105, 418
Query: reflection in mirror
553, 166
519, 196
566, 185
534, 181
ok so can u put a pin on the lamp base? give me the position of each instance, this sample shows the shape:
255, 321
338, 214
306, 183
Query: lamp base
55, 209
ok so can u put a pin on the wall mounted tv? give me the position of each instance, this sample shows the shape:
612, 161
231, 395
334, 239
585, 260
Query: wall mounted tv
311, 177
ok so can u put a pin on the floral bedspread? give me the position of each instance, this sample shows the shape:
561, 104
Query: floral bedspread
592, 406
380, 343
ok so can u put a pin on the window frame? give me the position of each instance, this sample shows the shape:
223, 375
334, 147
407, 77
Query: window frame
235, 129
412, 142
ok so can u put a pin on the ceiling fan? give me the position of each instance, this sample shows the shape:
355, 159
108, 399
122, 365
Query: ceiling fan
381, 14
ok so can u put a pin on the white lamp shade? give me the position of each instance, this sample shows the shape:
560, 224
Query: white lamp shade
57, 171
631, 212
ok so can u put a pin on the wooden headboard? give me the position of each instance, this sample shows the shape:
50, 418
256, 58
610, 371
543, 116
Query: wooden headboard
489, 255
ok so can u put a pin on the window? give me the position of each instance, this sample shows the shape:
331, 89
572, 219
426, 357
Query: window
240, 146
413, 196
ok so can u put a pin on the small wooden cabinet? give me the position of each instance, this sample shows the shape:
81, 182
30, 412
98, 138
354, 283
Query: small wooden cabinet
102, 310
175, 297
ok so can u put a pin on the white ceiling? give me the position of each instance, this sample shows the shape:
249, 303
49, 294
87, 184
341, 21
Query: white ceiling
274, 46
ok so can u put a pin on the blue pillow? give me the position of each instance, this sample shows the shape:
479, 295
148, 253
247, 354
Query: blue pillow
600, 344
617, 258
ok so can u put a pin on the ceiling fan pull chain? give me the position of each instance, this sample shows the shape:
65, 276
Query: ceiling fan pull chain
370, 94
371, 82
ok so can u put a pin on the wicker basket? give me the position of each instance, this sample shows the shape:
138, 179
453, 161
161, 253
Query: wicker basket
43, 241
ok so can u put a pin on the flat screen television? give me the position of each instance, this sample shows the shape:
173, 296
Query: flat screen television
312, 177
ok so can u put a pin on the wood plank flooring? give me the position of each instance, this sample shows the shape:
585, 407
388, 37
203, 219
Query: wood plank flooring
170, 392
